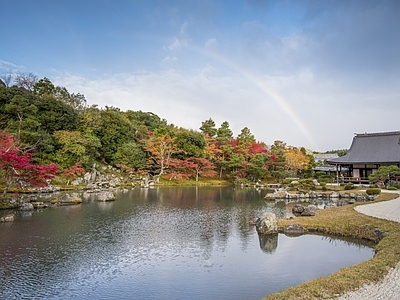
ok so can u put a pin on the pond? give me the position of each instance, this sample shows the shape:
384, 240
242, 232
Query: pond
162, 243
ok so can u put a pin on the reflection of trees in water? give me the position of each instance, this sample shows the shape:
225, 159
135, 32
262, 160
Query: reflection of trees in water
268, 243
349, 241
208, 215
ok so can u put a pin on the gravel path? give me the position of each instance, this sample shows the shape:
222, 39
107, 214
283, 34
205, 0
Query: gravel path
389, 287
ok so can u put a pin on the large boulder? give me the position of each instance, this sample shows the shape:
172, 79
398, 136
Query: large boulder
267, 224
335, 195
297, 209
304, 211
105, 196
67, 199
26, 206
7, 218
294, 230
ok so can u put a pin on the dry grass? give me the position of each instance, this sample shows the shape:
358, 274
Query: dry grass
345, 221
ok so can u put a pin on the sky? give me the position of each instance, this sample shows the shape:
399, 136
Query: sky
310, 73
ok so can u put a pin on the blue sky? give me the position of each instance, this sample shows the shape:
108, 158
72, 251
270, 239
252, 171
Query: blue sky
311, 73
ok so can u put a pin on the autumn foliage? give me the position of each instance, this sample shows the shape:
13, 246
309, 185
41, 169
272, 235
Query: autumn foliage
16, 167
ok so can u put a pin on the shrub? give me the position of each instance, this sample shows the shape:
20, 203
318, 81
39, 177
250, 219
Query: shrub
349, 186
286, 181
392, 188
373, 191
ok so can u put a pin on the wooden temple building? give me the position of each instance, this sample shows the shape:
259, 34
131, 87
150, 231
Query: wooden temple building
367, 153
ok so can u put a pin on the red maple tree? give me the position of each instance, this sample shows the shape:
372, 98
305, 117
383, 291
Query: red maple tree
16, 168
74, 171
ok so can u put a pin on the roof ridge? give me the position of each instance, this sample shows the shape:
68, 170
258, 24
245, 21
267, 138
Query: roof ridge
378, 133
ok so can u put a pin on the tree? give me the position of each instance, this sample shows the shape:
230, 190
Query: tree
44, 87
160, 148
75, 146
244, 140
113, 130
16, 167
24, 111
340, 152
74, 171
26, 81
224, 133
55, 115
202, 167
278, 160
385, 173
224, 145
208, 128
296, 160
147, 119
190, 143
7, 78
131, 155
180, 169
258, 168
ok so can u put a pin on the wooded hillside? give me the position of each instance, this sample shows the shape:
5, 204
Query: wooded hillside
58, 127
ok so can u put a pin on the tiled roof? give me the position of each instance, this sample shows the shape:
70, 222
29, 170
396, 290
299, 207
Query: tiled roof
381, 147
324, 156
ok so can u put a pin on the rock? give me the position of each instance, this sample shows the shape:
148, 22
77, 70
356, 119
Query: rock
305, 211
39, 204
334, 195
309, 211
315, 182
360, 197
267, 224
294, 229
8, 218
49, 189
26, 206
297, 209
105, 196
345, 196
67, 199
77, 181
271, 196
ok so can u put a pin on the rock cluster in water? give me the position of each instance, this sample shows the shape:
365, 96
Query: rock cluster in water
299, 196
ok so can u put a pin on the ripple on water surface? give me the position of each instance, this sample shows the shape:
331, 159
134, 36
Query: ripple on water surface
138, 247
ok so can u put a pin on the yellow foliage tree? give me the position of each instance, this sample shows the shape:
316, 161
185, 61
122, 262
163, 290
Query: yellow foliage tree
296, 160
160, 148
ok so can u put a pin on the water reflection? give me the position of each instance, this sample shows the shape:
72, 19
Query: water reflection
268, 243
161, 243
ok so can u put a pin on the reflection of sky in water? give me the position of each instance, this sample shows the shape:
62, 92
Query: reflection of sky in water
161, 244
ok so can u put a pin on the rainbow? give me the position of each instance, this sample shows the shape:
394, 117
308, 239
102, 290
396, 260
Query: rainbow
265, 88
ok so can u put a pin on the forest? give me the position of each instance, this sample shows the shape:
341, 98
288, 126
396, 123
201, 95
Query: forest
50, 131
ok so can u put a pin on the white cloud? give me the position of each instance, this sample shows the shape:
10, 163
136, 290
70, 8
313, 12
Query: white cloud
8, 66
300, 109
175, 45
211, 44
169, 59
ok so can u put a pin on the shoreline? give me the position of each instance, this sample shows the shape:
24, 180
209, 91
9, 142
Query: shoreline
389, 287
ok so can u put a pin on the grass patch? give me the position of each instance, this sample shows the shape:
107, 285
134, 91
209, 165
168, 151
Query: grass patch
345, 221
191, 182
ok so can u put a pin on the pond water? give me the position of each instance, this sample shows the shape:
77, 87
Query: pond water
162, 243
